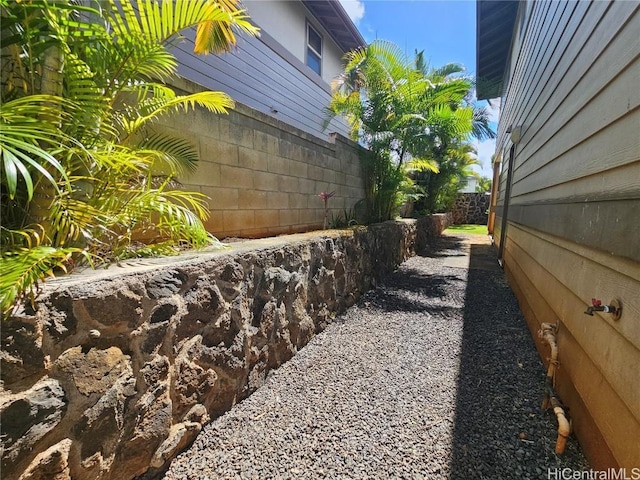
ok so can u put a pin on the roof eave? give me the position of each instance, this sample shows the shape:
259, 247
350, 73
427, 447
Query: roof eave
495, 24
335, 20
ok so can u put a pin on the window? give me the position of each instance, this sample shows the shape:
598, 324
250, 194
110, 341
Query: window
314, 49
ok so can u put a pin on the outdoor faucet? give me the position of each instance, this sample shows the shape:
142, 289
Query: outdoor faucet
598, 307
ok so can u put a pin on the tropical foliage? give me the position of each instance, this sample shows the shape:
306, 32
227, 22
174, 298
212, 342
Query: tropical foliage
409, 117
455, 160
85, 176
484, 185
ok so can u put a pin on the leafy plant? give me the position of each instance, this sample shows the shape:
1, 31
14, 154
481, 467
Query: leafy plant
84, 174
346, 218
403, 113
325, 196
484, 185
441, 189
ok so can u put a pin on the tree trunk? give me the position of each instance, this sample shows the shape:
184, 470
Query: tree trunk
44, 191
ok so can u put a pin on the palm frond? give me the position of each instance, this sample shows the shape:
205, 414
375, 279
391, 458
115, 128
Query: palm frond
21, 270
218, 36
422, 164
74, 162
174, 214
444, 72
72, 218
174, 153
481, 128
160, 20
25, 134
215, 102
25, 237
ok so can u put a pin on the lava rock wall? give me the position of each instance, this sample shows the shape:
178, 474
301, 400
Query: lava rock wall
113, 374
471, 208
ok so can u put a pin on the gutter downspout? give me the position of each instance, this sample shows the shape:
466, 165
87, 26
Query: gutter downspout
548, 333
515, 138
494, 197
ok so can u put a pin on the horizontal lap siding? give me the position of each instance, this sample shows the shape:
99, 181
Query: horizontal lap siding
574, 215
579, 383
257, 76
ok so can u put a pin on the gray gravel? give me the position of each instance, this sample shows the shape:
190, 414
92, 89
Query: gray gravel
433, 375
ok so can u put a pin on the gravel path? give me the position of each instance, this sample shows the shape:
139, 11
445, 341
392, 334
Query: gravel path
433, 375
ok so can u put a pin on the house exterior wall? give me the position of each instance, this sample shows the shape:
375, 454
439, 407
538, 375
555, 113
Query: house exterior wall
269, 76
573, 229
284, 21
471, 183
271, 16
262, 175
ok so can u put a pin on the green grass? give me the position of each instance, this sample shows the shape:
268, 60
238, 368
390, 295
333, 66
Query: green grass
472, 229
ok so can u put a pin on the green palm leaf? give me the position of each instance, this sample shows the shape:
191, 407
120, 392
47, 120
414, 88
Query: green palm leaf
22, 269
84, 168
215, 102
160, 20
218, 36
422, 164
27, 139
174, 153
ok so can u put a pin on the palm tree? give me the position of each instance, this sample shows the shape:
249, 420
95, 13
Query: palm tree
83, 171
401, 111
484, 185
441, 188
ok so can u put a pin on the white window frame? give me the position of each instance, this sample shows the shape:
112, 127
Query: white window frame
310, 47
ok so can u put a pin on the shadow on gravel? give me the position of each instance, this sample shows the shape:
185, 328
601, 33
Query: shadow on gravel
500, 430
445, 246
413, 292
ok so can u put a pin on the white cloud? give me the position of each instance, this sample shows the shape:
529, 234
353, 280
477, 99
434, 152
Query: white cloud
494, 110
485, 150
354, 8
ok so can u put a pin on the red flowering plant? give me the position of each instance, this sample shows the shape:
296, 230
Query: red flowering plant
325, 196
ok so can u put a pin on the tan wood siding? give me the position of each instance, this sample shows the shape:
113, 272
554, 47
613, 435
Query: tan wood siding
611, 226
536, 311
599, 362
573, 230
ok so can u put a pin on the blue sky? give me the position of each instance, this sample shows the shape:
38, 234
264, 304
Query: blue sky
444, 29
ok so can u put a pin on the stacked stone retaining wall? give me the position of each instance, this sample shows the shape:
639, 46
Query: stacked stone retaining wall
471, 208
117, 370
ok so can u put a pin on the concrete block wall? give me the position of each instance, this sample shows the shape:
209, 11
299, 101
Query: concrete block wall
262, 175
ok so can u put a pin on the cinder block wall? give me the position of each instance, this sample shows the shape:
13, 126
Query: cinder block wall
262, 175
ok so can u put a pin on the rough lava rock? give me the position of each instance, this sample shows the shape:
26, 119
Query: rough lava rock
52, 464
28, 416
116, 372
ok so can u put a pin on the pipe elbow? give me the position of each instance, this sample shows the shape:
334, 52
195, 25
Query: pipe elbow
561, 444
564, 427
548, 333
